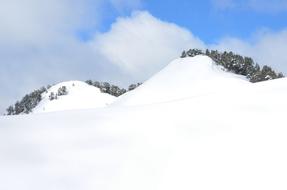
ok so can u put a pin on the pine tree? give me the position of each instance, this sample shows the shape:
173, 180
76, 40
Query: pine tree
183, 54
90, 82
10, 110
62, 91
52, 96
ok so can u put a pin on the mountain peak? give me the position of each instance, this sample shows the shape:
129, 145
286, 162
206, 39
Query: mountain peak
72, 95
182, 78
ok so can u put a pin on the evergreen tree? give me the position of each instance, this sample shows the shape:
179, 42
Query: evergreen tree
10, 110
52, 96
90, 82
134, 86
106, 87
183, 54
62, 91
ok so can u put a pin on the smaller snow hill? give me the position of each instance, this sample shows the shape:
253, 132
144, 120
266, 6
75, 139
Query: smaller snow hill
72, 95
184, 78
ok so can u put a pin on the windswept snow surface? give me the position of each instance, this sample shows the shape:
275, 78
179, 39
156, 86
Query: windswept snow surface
224, 140
80, 96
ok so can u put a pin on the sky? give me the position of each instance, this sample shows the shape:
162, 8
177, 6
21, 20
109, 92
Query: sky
127, 41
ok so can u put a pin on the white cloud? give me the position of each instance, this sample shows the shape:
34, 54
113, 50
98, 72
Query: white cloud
41, 22
36, 22
269, 6
142, 44
223, 4
262, 6
122, 5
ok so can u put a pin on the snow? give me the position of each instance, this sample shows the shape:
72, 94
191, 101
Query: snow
80, 96
231, 136
183, 78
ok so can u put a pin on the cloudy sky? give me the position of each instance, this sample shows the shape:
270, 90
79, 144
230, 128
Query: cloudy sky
125, 41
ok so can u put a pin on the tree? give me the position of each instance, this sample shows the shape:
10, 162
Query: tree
280, 75
19, 108
97, 84
52, 96
106, 87
10, 110
194, 52
62, 91
90, 82
183, 54
134, 86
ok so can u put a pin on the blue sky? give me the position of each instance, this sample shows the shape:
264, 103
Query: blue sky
210, 22
126, 41
213, 19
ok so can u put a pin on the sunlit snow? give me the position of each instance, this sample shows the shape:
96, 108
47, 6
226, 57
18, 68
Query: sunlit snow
80, 96
190, 127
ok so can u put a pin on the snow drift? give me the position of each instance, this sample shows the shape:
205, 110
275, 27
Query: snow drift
225, 134
79, 96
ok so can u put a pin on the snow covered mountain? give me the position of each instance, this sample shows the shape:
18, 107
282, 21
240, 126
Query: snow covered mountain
77, 95
184, 78
191, 126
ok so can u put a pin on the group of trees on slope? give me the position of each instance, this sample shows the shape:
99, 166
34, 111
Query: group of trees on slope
237, 64
113, 90
62, 91
31, 100
27, 103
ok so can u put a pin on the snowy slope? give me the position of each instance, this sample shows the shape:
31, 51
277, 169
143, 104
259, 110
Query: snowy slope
224, 139
182, 78
80, 96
